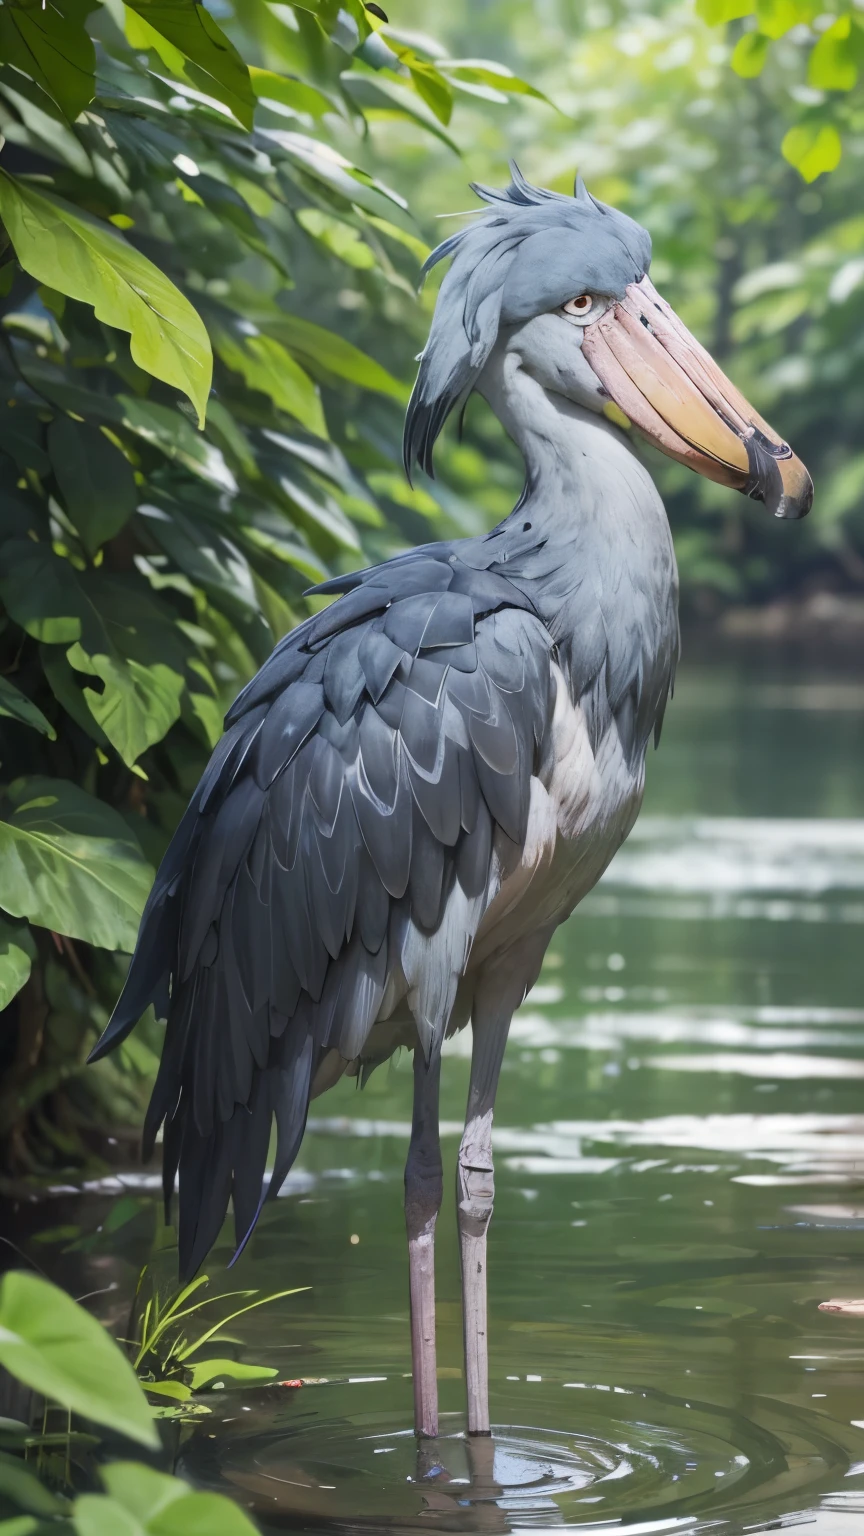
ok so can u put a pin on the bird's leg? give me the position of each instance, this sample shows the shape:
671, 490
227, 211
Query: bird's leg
475, 1194
423, 1187
498, 995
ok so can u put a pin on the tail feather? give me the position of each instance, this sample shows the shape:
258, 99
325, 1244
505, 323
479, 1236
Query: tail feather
230, 1159
205, 1184
149, 974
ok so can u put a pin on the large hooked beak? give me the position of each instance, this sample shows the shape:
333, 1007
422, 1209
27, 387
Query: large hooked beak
673, 391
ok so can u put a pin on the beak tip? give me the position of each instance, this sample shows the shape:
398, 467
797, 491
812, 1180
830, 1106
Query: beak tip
795, 507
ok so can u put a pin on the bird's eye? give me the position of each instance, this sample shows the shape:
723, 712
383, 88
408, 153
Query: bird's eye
580, 305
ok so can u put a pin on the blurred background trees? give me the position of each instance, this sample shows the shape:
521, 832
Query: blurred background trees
252, 191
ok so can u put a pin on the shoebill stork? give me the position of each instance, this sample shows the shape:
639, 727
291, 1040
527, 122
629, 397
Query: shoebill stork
428, 775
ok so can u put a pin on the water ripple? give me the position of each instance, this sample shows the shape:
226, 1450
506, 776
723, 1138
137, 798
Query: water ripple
639, 1462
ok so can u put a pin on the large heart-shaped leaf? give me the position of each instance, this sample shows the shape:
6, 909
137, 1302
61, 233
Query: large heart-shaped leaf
137, 656
54, 1346
138, 704
70, 863
65, 249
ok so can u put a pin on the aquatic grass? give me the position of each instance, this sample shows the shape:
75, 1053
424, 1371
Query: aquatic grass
163, 1349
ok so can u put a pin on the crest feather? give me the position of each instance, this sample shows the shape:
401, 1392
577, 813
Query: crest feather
487, 287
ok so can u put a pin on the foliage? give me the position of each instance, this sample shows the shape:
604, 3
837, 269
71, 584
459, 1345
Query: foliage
179, 442
835, 47
54, 1346
49, 1342
163, 1350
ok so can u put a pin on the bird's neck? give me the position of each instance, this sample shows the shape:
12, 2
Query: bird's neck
579, 467
589, 542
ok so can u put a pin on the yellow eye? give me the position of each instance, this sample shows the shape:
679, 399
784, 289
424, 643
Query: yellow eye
580, 305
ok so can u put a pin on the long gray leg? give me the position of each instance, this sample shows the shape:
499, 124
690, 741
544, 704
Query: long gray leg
423, 1188
499, 993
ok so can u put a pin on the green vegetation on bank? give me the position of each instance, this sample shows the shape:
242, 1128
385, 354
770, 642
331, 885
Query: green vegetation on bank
51, 1345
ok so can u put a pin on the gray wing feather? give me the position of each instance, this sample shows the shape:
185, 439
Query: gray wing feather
343, 834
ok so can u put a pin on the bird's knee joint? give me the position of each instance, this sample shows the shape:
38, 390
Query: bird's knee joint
476, 1192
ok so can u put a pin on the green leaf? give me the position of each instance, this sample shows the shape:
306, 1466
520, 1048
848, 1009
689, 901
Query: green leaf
176, 1390
169, 431
15, 705
336, 355
70, 863
716, 12
51, 45
210, 715
207, 1371
432, 88
66, 249
22, 435
65, 688
22, 1525
191, 45
812, 148
496, 76
56, 1348
835, 59
20, 1486
333, 171
95, 479
265, 364
43, 122
40, 591
418, 248
346, 242
749, 55
777, 17
208, 558
299, 95
17, 953
131, 645
138, 704
312, 505
143, 1502
376, 92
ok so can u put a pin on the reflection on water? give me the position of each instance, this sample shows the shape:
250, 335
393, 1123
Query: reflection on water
680, 1155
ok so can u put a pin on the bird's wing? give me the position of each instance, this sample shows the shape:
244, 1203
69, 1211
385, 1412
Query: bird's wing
340, 842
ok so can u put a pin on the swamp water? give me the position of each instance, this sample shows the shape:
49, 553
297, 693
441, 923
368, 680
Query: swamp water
680, 1181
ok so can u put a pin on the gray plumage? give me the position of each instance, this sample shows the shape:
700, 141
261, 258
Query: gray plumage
427, 774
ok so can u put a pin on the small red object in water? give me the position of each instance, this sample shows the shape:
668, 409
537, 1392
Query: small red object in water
297, 1383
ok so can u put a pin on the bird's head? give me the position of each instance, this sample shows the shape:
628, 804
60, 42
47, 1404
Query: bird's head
567, 279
